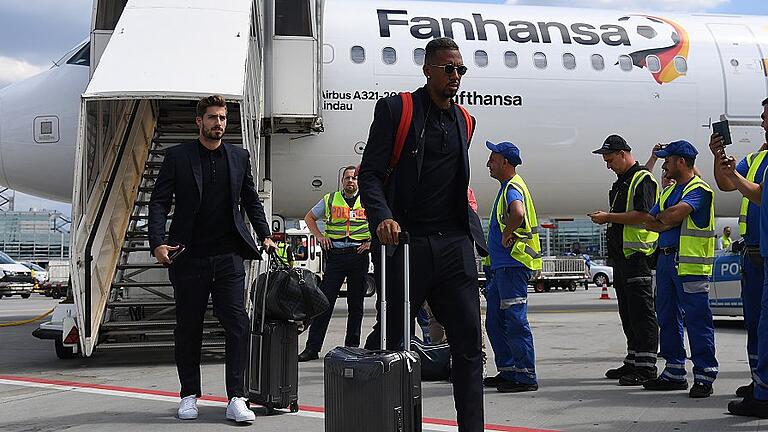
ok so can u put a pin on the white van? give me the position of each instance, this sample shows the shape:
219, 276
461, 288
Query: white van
15, 278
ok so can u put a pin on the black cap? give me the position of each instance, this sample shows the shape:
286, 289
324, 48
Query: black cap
612, 144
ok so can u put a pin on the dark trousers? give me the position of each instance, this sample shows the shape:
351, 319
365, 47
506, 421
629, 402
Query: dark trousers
354, 267
194, 281
444, 273
632, 280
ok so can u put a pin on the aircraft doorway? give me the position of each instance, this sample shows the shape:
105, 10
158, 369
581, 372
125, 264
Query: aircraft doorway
743, 68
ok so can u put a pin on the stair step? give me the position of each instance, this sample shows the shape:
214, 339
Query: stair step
155, 323
208, 333
215, 343
144, 217
139, 266
134, 303
135, 249
141, 284
146, 303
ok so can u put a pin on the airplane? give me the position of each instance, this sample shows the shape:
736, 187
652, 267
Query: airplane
555, 81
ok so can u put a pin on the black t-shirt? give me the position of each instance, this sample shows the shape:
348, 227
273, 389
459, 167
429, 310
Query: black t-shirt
350, 201
440, 201
644, 200
214, 232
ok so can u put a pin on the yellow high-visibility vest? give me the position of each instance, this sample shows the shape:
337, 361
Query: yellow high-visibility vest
343, 221
696, 253
527, 249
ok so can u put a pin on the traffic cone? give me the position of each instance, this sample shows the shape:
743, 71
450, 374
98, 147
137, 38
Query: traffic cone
604, 293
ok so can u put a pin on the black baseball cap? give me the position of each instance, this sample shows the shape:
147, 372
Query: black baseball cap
612, 144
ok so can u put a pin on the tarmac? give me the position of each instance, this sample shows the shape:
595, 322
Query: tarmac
577, 338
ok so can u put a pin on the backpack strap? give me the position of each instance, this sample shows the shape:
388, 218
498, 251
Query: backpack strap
402, 132
468, 120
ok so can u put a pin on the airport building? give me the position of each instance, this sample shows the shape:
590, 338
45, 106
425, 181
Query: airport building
38, 236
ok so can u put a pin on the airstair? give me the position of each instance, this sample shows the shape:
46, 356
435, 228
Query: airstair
152, 60
140, 311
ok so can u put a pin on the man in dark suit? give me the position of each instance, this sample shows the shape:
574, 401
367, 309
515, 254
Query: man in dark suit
210, 181
426, 195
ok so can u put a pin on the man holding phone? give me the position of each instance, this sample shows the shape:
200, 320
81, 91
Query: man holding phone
748, 176
632, 195
210, 182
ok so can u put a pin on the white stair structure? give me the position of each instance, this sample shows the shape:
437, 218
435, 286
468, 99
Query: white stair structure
152, 60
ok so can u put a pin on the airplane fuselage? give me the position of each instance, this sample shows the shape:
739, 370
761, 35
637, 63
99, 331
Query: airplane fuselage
555, 81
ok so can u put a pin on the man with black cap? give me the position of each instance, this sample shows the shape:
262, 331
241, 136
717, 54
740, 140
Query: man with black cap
630, 246
513, 243
685, 218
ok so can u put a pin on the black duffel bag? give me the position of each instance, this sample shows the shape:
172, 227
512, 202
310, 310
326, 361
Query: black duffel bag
292, 293
435, 360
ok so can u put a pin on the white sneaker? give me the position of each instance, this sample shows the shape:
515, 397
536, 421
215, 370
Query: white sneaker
238, 411
188, 408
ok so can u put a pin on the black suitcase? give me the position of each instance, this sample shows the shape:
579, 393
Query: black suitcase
273, 371
375, 391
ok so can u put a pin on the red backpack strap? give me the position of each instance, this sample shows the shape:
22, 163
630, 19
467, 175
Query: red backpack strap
402, 132
468, 121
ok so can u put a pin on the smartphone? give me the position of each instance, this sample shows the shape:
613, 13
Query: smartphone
175, 254
721, 128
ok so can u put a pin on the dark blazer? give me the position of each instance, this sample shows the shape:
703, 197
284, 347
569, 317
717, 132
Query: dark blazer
180, 177
393, 199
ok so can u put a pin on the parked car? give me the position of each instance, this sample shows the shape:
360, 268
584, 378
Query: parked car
601, 274
14, 278
39, 274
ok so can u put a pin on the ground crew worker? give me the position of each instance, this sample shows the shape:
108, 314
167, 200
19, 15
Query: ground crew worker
346, 243
632, 195
753, 294
724, 242
684, 216
513, 243
284, 252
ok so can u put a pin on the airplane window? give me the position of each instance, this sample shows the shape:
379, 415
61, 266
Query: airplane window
510, 59
540, 60
82, 57
357, 53
654, 64
481, 58
292, 18
625, 63
569, 61
681, 65
647, 32
598, 62
418, 56
388, 55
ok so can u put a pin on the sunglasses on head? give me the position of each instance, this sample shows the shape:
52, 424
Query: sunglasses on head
449, 69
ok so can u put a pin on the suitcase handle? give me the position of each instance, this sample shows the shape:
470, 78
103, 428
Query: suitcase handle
404, 239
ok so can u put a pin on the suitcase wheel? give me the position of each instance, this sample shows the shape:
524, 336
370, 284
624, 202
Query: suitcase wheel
294, 407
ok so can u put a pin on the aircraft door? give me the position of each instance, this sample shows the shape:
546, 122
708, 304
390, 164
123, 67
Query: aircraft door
743, 68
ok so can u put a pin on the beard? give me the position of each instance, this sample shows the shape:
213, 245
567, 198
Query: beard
449, 92
214, 134
350, 190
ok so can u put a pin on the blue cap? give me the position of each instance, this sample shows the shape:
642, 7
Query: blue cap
508, 150
680, 148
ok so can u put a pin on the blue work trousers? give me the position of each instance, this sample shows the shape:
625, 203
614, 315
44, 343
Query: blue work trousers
752, 298
507, 324
689, 297
760, 375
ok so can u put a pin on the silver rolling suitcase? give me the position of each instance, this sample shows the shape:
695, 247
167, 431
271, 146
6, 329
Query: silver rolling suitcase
375, 391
